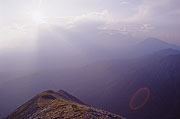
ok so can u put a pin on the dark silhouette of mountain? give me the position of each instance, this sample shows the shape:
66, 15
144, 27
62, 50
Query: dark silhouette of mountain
58, 105
155, 44
151, 45
166, 52
158, 73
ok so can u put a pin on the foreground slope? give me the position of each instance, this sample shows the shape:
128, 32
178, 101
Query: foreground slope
58, 105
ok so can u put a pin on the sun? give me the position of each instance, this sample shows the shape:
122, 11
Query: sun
37, 17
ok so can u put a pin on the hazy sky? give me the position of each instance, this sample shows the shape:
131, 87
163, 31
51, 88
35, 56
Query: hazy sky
22, 22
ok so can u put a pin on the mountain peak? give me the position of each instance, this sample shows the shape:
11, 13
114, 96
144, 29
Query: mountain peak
61, 91
155, 41
151, 45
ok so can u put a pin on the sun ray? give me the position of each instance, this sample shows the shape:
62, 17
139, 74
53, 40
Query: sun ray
38, 17
40, 3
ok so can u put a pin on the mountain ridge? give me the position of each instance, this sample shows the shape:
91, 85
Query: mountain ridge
54, 105
149, 46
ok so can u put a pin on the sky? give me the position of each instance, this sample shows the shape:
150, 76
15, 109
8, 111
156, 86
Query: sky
24, 23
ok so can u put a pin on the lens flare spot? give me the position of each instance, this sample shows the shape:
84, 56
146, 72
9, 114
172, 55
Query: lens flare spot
132, 107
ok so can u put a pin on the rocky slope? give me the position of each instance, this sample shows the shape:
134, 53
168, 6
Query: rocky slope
58, 105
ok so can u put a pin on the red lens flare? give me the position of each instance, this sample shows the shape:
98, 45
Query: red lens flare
135, 94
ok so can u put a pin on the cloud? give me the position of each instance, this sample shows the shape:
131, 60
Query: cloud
156, 10
103, 17
124, 2
149, 18
146, 28
90, 36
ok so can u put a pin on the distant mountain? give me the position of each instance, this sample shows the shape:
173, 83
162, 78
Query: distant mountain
159, 73
166, 52
151, 45
58, 105
155, 44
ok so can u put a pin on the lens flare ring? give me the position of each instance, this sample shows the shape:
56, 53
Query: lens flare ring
135, 94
